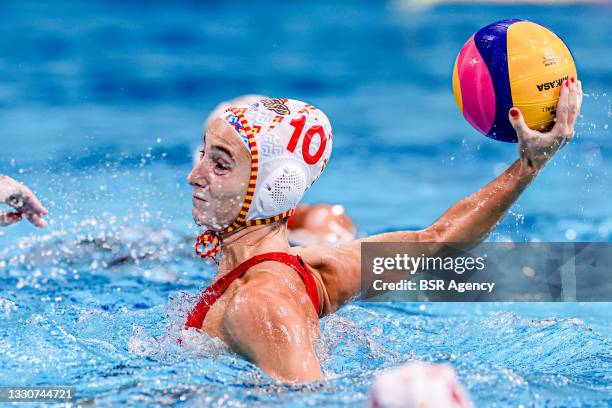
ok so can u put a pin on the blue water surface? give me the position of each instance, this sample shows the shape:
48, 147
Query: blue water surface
101, 104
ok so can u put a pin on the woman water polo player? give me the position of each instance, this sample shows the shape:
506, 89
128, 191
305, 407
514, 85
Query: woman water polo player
258, 160
22, 200
317, 224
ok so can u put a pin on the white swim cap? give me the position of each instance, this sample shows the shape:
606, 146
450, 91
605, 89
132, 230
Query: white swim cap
290, 143
219, 109
239, 100
418, 385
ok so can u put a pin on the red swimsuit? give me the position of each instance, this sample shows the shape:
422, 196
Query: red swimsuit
214, 291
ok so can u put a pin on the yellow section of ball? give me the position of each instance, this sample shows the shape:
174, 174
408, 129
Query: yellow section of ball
539, 63
457, 87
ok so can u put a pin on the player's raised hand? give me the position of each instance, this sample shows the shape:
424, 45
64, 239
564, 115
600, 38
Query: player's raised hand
536, 148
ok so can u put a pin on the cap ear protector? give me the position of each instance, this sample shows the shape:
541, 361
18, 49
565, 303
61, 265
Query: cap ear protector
290, 143
283, 188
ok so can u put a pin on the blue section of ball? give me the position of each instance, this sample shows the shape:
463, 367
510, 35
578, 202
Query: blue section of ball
492, 46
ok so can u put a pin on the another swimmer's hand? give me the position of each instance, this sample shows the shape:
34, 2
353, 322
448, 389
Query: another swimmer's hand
536, 148
24, 202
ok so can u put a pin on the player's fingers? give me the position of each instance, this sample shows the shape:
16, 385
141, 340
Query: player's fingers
36, 220
518, 122
562, 114
580, 95
572, 104
32, 203
8, 218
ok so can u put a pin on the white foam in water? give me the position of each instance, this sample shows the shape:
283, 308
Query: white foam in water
82, 301
6, 307
343, 337
176, 342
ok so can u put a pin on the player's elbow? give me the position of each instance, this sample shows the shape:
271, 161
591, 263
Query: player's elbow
443, 238
447, 238
437, 233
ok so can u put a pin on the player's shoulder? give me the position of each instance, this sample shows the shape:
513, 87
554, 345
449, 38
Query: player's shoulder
261, 299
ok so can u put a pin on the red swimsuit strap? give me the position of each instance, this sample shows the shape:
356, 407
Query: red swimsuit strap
214, 291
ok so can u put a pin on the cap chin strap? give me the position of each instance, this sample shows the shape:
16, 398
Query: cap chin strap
208, 244
205, 240
212, 239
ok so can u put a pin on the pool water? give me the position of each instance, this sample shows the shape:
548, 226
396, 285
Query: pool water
101, 105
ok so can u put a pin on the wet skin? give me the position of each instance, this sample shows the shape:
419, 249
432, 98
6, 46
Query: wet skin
267, 315
23, 202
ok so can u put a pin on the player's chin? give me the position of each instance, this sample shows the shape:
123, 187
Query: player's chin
197, 216
203, 219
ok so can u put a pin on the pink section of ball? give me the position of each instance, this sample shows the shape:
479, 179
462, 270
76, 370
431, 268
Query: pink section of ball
477, 90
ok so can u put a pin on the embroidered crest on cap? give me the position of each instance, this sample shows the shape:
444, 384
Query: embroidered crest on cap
277, 105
